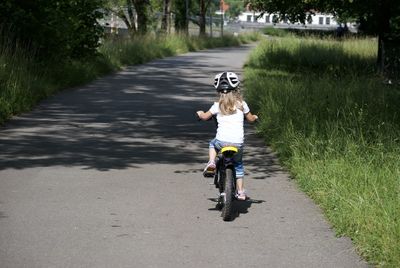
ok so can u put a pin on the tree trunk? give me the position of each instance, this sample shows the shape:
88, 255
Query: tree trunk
381, 53
202, 18
383, 31
127, 18
180, 17
131, 20
141, 7
166, 14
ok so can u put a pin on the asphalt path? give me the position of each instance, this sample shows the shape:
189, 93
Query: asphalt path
109, 175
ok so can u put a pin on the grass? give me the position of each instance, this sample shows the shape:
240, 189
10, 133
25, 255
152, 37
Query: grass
276, 32
18, 81
144, 48
24, 82
304, 32
336, 127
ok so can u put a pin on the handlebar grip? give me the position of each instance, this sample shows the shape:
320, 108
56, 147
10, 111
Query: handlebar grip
197, 117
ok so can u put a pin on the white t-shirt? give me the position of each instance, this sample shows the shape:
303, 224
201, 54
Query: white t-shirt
230, 127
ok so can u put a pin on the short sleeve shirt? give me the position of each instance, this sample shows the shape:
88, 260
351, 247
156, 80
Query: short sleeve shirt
230, 127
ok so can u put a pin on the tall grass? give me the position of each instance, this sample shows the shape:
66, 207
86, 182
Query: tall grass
24, 82
144, 48
18, 81
336, 126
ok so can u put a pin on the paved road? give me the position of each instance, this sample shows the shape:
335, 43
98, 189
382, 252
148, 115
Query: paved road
109, 175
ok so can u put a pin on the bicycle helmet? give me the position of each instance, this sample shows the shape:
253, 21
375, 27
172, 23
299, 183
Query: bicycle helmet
226, 81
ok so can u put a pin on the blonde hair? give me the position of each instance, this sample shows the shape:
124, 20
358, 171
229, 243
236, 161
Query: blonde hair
229, 102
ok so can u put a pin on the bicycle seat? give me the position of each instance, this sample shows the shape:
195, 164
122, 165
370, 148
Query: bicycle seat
229, 151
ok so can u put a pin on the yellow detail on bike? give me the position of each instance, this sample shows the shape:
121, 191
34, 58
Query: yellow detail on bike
229, 148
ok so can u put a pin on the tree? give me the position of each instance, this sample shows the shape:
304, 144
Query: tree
377, 17
235, 8
53, 29
125, 11
203, 4
195, 13
200, 10
134, 13
142, 9
293, 10
180, 12
166, 15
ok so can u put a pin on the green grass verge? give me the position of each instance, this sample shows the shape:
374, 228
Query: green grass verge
24, 82
306, 32
336, 127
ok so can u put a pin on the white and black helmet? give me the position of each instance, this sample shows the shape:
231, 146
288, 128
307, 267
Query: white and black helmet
226, 81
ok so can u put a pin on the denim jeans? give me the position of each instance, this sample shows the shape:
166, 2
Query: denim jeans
237, 159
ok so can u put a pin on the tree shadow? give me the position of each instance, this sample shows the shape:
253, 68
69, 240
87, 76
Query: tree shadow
260, 161
141, 115
3, 215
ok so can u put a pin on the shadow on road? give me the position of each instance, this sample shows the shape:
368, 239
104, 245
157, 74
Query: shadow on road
144, 114
260, 162
141, 115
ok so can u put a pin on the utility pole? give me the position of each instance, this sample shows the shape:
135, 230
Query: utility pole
211, 22
187, 16
221, 4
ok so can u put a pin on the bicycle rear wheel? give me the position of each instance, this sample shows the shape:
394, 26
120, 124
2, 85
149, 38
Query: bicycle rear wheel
228, 195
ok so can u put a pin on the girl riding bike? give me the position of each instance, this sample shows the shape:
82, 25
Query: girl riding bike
230, 112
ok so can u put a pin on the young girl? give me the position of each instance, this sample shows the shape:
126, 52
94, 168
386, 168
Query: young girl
230, 112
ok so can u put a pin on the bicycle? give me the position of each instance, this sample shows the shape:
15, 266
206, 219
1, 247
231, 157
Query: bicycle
225, 179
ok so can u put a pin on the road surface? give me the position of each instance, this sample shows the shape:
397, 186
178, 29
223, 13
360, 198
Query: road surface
109, 175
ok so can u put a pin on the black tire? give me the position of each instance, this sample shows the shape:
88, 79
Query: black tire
228, 198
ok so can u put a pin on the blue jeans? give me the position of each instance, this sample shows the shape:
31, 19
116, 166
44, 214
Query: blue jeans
237, 159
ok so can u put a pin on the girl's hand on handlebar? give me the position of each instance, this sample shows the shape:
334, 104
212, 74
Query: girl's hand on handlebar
204, 115
198, 115
251, 117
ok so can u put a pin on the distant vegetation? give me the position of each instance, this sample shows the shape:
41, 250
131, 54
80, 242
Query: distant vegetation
280, 32
336, 126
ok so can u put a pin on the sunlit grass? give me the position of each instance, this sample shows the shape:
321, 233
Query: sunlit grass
336, 126
144, 48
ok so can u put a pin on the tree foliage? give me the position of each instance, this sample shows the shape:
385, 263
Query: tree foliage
63, 29
375, 16
235, 8
293, 10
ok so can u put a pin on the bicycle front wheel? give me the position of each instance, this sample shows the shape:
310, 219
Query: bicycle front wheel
227, 210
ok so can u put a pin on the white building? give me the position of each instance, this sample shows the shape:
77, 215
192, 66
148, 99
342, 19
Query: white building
319, 19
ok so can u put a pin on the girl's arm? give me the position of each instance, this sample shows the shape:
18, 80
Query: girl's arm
204, 115
251, 117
